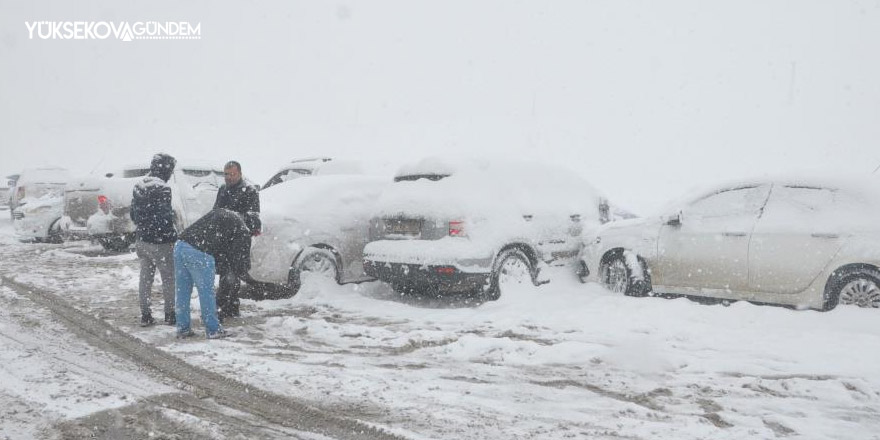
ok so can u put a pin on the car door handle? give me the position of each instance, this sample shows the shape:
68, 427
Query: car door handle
824, 235
734, 234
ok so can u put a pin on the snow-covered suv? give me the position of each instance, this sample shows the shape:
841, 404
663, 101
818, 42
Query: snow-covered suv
475, 225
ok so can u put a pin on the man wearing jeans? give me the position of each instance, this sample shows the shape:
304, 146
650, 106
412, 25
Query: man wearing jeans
220, 237
152, 214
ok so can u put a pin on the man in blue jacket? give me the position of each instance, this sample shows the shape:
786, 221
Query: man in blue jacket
152, 214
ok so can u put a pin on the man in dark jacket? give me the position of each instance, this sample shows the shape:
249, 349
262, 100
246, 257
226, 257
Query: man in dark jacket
152, 214
220, 237
244, 199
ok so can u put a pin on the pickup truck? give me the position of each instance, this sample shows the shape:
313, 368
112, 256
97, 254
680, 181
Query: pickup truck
98, 208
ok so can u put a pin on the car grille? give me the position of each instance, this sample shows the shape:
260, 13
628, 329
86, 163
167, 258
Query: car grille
410, 227
17, 215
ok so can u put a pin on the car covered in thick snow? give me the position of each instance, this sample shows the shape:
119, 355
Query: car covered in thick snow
98, 207
472, 225
317, 226
37, 204
315, 166
807, 243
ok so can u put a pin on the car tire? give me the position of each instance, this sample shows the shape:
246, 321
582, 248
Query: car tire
583, 272
117, 243
54, 234
859, 286
316, 260
617, 276
508, 260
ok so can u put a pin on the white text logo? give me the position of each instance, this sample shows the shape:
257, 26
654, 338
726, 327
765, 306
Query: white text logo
123, 31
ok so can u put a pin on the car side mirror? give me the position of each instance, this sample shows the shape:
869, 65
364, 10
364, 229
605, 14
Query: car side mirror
108, 175
674, 219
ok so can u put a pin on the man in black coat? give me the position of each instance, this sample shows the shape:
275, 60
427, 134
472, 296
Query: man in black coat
236, 196
152, 215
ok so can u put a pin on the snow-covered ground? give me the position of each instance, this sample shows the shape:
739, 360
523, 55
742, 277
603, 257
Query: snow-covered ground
560, 361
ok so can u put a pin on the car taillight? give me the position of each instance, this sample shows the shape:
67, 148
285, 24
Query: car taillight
104, 204
445, 270
456, 228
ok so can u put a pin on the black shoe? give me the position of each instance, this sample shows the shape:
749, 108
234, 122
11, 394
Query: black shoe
188, 333
170, 320
147, 321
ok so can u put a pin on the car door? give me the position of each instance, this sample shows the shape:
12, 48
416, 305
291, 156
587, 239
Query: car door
707, 249
795, 238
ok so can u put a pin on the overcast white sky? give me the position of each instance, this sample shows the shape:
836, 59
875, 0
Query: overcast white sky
644, 98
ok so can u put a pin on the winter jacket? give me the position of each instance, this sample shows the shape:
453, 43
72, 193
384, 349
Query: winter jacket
224, 235
151, 211
243, 199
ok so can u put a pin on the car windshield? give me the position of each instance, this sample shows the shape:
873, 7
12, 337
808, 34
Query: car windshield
414, 177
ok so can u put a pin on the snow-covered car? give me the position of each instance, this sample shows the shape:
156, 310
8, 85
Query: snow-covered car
807, 243
313, 167
317, 225
37, 204
99, 207
475, 225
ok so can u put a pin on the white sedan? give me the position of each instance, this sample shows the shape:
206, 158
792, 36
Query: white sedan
803, 243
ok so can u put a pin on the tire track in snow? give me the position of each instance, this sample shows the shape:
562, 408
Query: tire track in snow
277, 409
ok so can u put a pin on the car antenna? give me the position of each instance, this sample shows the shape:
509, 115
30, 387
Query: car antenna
875, 169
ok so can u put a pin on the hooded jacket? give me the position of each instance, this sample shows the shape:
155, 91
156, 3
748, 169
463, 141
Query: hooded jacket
151, 211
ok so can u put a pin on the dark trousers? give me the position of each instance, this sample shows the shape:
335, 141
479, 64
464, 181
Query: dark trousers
227, 294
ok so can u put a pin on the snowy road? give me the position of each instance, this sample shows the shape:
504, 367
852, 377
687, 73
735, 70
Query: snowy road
560, 361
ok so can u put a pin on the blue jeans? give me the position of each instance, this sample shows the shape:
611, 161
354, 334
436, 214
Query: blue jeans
192, 266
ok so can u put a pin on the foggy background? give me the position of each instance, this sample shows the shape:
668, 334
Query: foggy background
645, 99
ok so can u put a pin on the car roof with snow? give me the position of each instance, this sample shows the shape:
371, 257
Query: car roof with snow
436, 185
51, 175
319, 193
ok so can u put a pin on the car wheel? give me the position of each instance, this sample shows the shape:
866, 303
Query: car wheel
54, 235
859, 287
512, 268
315, 261
117, 243
616, 275
583, 272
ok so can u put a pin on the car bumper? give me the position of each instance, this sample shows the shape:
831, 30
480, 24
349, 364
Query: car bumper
101, 224
445, 265
440, 278
73, 230
465, 255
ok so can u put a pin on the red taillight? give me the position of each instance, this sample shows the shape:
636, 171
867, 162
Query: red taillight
456, 228
104, 204
445, 270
